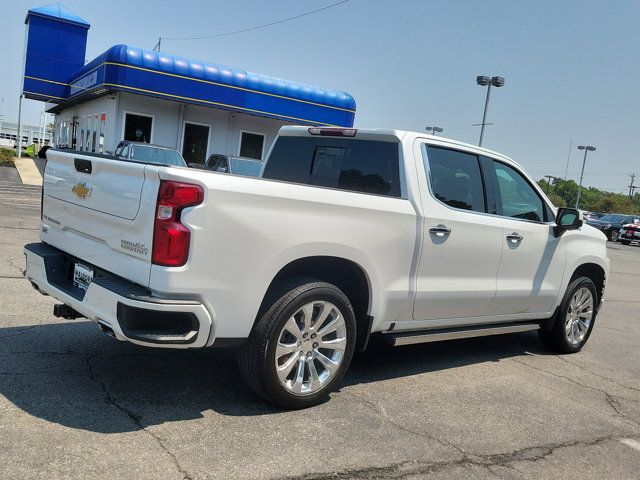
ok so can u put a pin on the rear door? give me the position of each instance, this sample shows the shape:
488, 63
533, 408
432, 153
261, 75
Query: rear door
101, 210
461, 243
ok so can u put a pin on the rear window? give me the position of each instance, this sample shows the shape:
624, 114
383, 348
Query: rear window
158, 156
365, 166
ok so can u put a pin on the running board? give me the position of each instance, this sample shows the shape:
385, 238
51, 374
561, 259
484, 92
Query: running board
425, 336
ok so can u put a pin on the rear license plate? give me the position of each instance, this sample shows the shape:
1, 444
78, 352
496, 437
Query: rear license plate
82, 276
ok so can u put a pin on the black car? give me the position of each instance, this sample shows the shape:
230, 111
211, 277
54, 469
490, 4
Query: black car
611, 223
234, 165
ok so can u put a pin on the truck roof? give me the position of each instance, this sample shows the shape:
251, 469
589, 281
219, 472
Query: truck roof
382, 134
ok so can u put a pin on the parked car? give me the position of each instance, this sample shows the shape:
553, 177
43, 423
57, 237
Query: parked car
234, 165
611, 224
629, 233
149, 153
348, 234
592, 215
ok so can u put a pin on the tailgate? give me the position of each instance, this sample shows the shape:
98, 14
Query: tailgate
101, 210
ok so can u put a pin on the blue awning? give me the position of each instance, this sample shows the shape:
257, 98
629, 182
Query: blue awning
130, 69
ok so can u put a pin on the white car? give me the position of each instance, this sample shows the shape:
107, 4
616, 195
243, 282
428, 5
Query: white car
349, 233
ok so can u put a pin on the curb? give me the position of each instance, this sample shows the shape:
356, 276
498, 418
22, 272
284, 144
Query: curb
28, 171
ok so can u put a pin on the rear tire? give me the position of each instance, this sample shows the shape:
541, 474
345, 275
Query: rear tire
576, 317
301, 347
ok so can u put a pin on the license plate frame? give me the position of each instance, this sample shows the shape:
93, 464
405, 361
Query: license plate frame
82, 276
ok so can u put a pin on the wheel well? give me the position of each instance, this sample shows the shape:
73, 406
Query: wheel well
344, 274
595, 273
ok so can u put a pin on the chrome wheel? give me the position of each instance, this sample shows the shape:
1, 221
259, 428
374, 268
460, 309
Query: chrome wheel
579, 316
310, 347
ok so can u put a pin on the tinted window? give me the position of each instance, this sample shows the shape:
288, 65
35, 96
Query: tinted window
456, 179
613, 218
245, 167
159, 156
251, 145
518, 199
366, 166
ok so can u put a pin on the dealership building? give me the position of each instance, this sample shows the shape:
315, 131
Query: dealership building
128, 93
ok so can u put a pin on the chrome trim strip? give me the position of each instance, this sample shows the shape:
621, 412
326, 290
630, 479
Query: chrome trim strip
409, 338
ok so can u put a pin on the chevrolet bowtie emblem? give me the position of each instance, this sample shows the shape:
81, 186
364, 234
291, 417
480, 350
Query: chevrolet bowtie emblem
81, 190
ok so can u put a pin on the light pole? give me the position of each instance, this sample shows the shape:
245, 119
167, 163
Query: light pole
488, 82
434, 130
1, 116
586, 148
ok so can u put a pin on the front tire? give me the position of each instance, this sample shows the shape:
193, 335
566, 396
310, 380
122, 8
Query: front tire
613, 235
625, 242
301, 346
575, 320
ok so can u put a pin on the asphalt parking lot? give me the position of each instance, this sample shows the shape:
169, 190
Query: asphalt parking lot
75, 403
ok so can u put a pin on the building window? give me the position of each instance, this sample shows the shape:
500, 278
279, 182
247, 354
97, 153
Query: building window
195, 142
251, 145
138, 128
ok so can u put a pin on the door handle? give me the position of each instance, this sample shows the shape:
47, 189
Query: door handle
514, 237
83, 166
440, 230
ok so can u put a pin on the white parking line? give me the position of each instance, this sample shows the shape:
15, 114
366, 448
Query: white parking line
630, 442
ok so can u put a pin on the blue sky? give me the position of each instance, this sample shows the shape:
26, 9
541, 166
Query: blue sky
572, 67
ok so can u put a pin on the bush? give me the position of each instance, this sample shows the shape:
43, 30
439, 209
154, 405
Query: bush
6, 157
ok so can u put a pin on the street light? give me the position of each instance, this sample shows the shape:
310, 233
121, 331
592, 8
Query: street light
434, 130
488, 82
586, 148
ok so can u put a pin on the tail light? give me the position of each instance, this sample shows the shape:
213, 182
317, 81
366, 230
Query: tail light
171, 239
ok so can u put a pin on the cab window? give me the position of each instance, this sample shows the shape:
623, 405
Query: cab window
516, 197
455, 178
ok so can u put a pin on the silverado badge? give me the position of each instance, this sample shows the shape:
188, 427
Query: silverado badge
81, 190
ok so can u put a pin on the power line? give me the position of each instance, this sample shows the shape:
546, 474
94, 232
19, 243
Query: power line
234, 32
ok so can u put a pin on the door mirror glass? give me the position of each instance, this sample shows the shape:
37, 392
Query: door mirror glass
568, 219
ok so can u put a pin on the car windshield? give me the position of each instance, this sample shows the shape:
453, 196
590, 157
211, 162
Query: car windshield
612, 218
250, 168
155, 155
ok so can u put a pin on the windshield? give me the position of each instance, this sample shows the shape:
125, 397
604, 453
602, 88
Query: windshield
155, 155
245, 167
612, 218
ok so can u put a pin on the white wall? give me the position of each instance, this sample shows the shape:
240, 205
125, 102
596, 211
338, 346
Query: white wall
168, 121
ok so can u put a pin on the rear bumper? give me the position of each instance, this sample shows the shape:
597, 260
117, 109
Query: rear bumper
127, 309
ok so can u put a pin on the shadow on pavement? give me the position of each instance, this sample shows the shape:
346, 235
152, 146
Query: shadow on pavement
71, 374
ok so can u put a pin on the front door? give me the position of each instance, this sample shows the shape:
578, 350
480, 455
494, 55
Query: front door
462, 244
195, 142
533, 259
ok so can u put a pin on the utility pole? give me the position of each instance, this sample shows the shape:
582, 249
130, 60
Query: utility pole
632, 187
549, 178
566, 172
1, 115
157, 47
19, 136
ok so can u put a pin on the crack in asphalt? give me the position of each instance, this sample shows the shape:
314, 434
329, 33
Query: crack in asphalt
380, 411
412, 468
135, 418
611, 399
584, 369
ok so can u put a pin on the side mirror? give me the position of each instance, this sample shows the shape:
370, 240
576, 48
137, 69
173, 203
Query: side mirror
567, 219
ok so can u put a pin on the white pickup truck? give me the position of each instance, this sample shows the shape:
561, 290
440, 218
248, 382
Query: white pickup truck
348, 233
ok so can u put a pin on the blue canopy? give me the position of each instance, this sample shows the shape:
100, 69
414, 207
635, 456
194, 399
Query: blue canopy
130, 69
